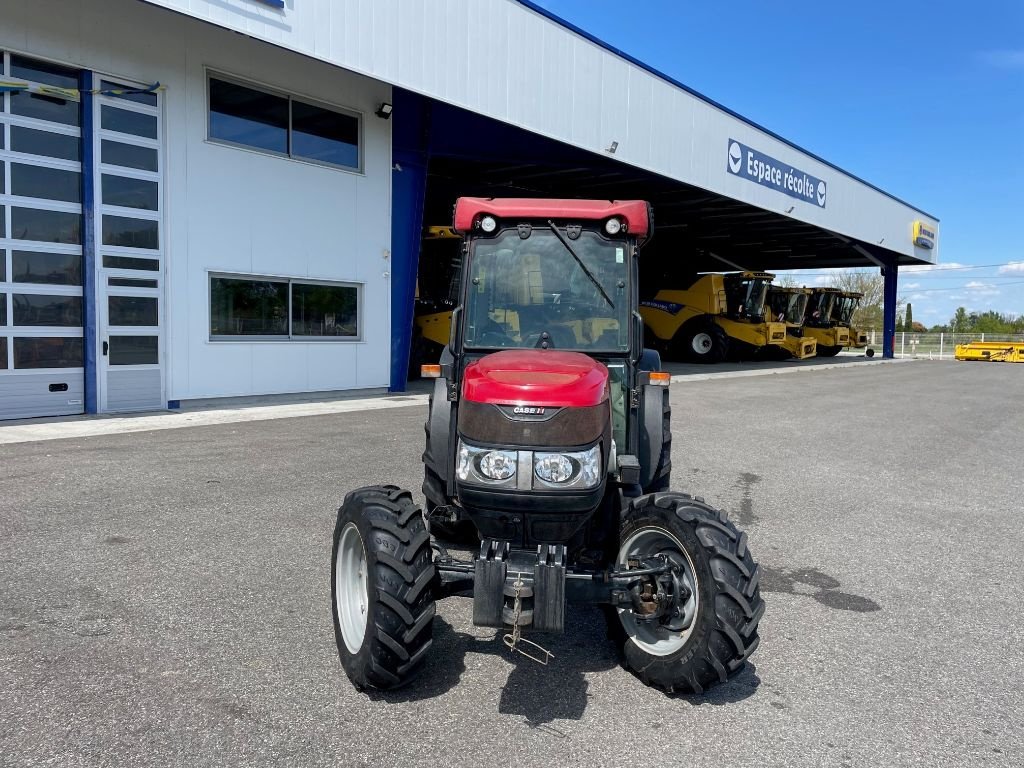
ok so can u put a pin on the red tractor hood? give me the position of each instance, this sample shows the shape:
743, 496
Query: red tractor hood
539, 377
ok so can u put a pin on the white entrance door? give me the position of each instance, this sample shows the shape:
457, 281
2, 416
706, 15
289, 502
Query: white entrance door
129, 364
129, 240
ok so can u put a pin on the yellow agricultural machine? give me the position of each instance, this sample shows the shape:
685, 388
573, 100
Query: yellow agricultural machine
711, 316
991, 351
821, 323
842, 312
789, 306
436, 295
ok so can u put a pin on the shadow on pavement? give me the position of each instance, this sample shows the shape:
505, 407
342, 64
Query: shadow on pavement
541, 694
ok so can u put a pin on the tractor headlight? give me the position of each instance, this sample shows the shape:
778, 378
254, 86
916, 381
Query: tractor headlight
486, 465
552, 470
575, 469
553, 467
497, 465
488, 224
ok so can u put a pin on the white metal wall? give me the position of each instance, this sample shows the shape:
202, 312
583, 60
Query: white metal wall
237, 211
502, 59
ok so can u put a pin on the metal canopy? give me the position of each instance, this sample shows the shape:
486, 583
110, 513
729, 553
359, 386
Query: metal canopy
473, 155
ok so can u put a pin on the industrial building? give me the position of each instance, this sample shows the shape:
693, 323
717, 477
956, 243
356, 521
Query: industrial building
225, 198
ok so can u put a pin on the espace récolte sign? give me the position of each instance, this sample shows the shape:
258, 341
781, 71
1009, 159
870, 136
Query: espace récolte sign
768, 172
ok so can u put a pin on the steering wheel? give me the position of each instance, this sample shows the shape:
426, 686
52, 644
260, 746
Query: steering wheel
492, 335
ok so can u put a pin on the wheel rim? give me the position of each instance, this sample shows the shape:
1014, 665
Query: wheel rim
661, 639
702, 343
351, 591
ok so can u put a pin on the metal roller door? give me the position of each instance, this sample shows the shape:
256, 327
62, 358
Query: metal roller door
41, 265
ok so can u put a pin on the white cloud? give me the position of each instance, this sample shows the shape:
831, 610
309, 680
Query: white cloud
1013, 268
911, 286
1004, 59
978, 288
931, 267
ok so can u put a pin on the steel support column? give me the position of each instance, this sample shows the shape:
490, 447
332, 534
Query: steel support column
90, 293
409, 159
889, 273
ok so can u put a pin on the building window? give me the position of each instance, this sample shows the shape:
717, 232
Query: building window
280, 309
283, 125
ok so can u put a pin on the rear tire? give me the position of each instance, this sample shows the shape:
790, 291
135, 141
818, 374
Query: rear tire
718, 629
382, 587
828, 351
869, 352
703, 343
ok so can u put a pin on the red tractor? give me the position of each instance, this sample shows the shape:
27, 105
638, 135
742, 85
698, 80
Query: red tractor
549, 432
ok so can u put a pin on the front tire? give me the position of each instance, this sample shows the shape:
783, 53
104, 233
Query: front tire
382, 581
716, 629
703, 343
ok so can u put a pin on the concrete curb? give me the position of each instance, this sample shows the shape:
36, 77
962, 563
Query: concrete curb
92, 426
688, 377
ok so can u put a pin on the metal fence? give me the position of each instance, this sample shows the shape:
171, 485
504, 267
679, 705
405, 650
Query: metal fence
938, 346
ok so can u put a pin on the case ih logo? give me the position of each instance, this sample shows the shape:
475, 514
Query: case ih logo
527, 410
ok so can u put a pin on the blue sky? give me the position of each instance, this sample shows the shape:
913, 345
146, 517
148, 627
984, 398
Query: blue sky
923, 99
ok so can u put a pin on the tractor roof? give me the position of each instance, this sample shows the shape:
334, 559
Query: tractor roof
636, 213
789, 289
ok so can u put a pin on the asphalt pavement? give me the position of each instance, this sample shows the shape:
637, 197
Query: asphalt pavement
164, 595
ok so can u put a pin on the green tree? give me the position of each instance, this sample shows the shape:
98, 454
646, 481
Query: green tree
960, 322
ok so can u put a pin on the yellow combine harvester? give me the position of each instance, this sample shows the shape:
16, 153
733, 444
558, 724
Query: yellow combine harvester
711, 315
789, 305
822, 325
991, 351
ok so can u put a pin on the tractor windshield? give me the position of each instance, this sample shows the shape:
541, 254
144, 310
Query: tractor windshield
787, 307
522, 288
745, 296
844, 309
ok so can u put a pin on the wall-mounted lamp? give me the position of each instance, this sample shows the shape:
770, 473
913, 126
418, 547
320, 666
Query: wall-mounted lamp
384, 111
612, 147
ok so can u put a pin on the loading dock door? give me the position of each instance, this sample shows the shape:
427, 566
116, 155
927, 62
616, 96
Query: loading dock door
41, 302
